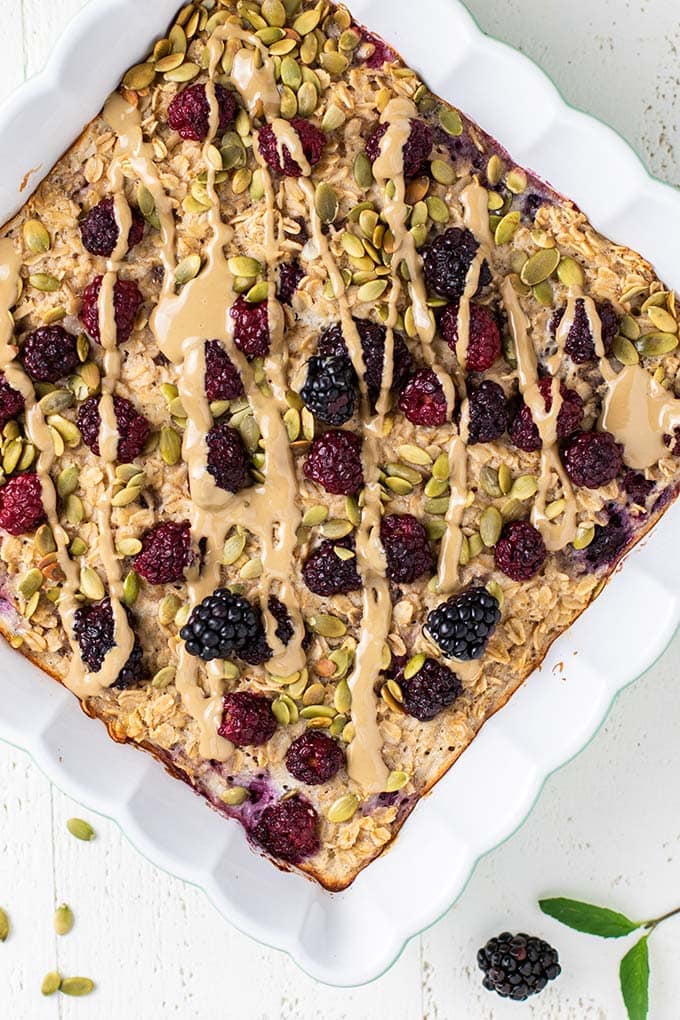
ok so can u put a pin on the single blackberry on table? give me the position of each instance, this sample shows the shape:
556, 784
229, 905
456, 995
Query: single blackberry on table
517, 966
290, 276
166, 553
49, 353
488, 415
311, 139
133, 427
372, 336
222, 381
447, 260
329, 391
334, 462
523, 430
407, 548
247, 719
423, 401
434, 688
416, 150
100, 231
227, 458
592, 459
21, 505
222, 625
520, 551
288, 829
189, 112
314, 758
11, 401
325, 573
484, 342
93, 629
580, 344
463, 624
251, 327
127, 300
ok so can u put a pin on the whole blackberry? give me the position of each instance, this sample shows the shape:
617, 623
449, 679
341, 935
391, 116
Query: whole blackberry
422, 399
222, 381
99, 230
94, 631
11, 401
288, 829
311, 139
433, 688
334, 462
325, 573
223, 624
127, 300
523, 430
251, 327
227, 458
484, 342
407, 548
21, 505
488, 413
49, 353
314, 758
520, 552
133, 427
290, 275
258, 651
517, 966
372, 336
166, 552
416, 150
189, 112
330, 389
592, 459
580, 345
462, 625
609, 541
247, 719
447, 261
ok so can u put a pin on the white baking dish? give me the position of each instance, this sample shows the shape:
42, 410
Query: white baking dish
352, 937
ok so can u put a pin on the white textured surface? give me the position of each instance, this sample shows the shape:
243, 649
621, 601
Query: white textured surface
154, 944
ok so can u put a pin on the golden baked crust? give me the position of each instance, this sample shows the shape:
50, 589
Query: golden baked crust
324, 73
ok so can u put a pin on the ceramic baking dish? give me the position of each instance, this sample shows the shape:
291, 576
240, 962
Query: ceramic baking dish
352, 937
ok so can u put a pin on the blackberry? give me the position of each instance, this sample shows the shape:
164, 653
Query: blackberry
523, 431
222, 625
434, 688
227, 458
447, 261
637, 487
127, 300
334, 462
407, 548
517, 966
251, 327
99, 230
314, 758
133, 427
93, 629
416, 150
247, 719
592, 459
49, 353
330, 389
462, 625
422, 399
311, 139
520, 552
189, 112
325, 573
488, 413
166, 552
222, 381
580, 344
609, 541
288, 829
21, 505
258, 651
484, 342
290, 275
372, 336
11, 401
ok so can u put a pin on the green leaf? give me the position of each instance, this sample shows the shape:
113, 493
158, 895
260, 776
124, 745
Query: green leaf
634, 977
588, 918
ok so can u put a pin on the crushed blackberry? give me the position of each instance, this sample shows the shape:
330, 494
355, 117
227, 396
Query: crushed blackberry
189, 112
463, 624
99, 230
222, 381
21, 505
447, 260
378, 52
609, 541
580, 345
592, 459
247, 719
416, 150
637, 487
288, 829
484, 344
222, 625
334, 462
93, 629
166, 553
423, 401
290, 276
127, 300
488, 415
133, 427
49, 353
407, 548
314, 758
11, 401
251, 327
227, 458
523, 431
311, 138
329, 391
434, 688
520, 551
518, 966
325, 573
372, 336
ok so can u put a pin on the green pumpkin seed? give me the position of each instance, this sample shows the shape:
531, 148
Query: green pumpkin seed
524, 488
80, 829
435, 529
438, 211
343, 698
51, 983
327, 626
662, 320
436, 487
624, 351
91, 584
463, 560
352, 510
30, 583
494, 588
318, 712
414, 455
241, 265
163, 678
131, 586
78, 547
441, 468
314, 516
44, 282
69, 432
569, 273
475, 544
334, 63
77, 986
584, 536
139, 77
307, 22
291, 74
442, 171
258, 293
451, 121
251, 570
654, 345
236, 795
555, 509
44, 540
167, 609
507, 228
307, 99
629, 328
333, 118
488, 479
363, 171
36, 237
543, 293
170, 446
309, 49
336, 529
63, 920
352, 245
343, 809
370, 292
495, 203
187, 269
12, 455
540, 266
400, 486
67, 480
516, 181
655, 300
56, 402
396, 781
126, 496
326, 202
490, 526
414, 666
494, 170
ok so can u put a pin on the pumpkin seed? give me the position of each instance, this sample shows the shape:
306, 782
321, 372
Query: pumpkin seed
495, 202
494, 170
517, 285
516, 181
396, 781
63, 920
414, 665
74, 511
126, 496
363, 171
435, 529
167, 609
629, 327
67, 480
91, 584
436, 487
77, 986
451, 121
241, 265
554, 509
490, 526
442, 171
170, 446
326, 202
308, 424
235, 795
463, 560
399, 485
475, 545
625, 351
569, 273
186, 72
327, 626
494, 588
44, 540
414, 455
655, 300
349, 733
334, 63
80, 829
543, 293
291, 74
307, 22
584, 536
343, 809
352, 245
314, 516
662, 320
183, 614
36, 237
524, 488
139, 77
488, 479
31, 582
343, 698
507, 228
336, 529
437, 506
131, 586
441, 468
307, 99
163, 678
540, 266
318, 712
653, 345
56, 402
349, 40
44, 282
51, 983
187, 269
251, 570
12, 455
437, 209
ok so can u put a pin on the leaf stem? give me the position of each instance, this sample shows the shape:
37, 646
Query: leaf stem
651, 925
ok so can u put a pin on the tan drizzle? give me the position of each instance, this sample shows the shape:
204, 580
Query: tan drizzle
256, 85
